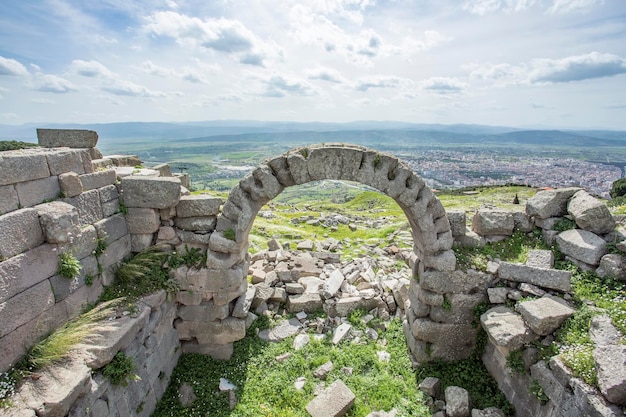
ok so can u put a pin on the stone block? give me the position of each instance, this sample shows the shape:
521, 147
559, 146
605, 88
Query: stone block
191, 237
108, 193
550, 203
540, 258
19, 231
307, 302
8, 199
442, 261
99, 179
455, 282
112, 228
334, 401
63, 287
493, 222
110, 336
582, 245
506, 328
214, 280
611, 368
332, 285
25, 306
23, 165
612, 265
84, 243
458, 222
523, 222
457, 402
590, 213
544, 315
59, 222
31, 193
443, 334
70, 184
110, 208
115, 253
198, 205
143, 220
150, 192
26, 270
206, 311
200, 224
71, 138
431, 386
216, 333
88, 205
546, 278
69, 160
125, 160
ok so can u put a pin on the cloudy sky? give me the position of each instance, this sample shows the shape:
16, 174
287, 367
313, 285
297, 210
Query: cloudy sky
525, 63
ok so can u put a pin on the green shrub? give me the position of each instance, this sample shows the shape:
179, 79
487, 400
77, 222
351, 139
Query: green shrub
69, 266
120, 369
11, 145
618, 189
101, 245
230, 234
515, 362
537, 390
564, 224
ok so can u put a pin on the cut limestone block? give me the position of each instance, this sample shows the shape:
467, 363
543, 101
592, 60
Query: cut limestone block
545, 315
334, 401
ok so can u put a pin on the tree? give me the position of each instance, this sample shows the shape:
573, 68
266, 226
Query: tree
619, 188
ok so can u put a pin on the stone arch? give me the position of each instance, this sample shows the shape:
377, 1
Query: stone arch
224, 278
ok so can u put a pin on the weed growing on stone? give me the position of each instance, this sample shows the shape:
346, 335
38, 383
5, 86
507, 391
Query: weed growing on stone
192, 258
120, 370
69, 266
537, 390
564, 224
7, 389
515, 362
229, 234
101, 245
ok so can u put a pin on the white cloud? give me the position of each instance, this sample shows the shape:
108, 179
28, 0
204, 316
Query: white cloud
49, 83
283, 85
222, 35
91, 69
189, 74
443, 85
42, 101
326, 74
10, 66
573, 6
378, 81
128, 88
550, 71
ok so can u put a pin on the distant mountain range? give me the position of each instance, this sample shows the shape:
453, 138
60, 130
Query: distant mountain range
364, 132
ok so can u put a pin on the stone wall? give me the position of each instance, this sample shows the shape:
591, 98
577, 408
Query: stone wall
53, 201
77, 387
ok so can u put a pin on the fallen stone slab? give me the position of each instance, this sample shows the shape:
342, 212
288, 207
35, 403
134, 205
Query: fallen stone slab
545, 314
547, 278
540, 258
582, 245
334, 401
550, 203
506, 328
340, 332
590, 213
282, 331
307, 302
457, 402
493, 222
610, 363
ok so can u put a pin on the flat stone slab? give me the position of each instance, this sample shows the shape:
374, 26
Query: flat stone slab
282, 331
334, 401
506, 328
582, 245
547, 278
545, 314
307, 302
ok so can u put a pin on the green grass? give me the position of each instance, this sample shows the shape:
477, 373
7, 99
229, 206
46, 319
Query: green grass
265, 386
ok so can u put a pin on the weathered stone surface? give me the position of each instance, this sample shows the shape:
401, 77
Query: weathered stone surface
27, 269
540, 258
8, 199
612, 265
497, 295
62, 287
69, 160
198, 205
582, 245
444, 334
58, 387
458, 223
602, 331
307, 302
98, 179
143, 220
506, 328
431, 386
141, 242
125, 160
215, 280
217, 333
493, 222
71, 138
25, 306
70, 184
150, 192
334, 401
202, 223
19, 231
206, 311
112, 228
34, 192
523, 222
590, 213
108, 193
332, 285
442, 261
547, 278
281, 331
488, 412
59, 221
109, 337
544, 315
455, 282
22, 165
88, 205
115, 252
457, 402
611, 368
550, 203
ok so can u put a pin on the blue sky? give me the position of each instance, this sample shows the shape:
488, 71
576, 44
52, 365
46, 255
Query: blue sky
524, 63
